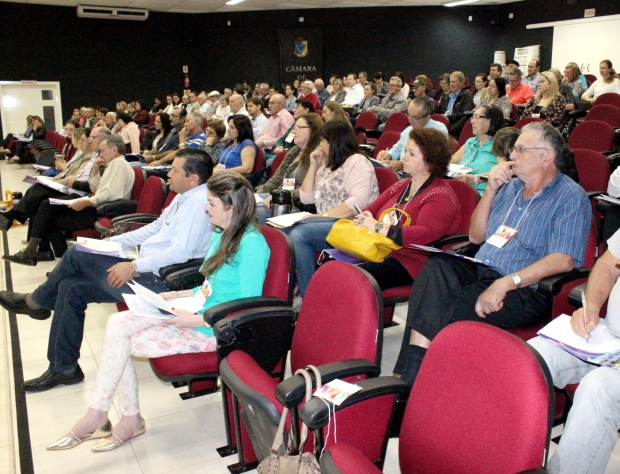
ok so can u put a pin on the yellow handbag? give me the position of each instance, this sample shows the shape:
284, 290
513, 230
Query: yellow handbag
360, 242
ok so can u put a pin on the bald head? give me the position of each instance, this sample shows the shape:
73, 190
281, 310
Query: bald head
236, 103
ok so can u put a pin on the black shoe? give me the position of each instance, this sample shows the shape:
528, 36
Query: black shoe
51, 379
5, 224
21, 259
45, 256
16, 302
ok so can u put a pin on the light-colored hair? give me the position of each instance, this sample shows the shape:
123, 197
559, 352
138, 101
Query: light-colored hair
575, 70
320, 81
554, 89
398, 80
309, 84
459, 75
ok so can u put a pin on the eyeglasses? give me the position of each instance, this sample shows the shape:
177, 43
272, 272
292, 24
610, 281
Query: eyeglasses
478, 117
299, 127
520, 149
414, 118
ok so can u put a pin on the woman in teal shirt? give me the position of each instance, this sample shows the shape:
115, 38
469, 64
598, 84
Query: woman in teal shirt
235, 267
477, 152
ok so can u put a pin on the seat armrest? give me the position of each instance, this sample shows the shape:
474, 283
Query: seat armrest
117, 208
552, 285
450, 240
575, 114
292, 391
224, 329
315, 413
373, 133
466, 248
220, 311
574, 297
138, 218
165, 271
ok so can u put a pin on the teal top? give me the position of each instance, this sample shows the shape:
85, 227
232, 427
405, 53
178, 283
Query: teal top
481, 158
243, 277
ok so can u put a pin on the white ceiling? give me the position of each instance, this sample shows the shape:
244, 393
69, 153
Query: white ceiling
206, 6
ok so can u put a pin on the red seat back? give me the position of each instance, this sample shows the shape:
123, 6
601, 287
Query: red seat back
514, 114
466, 133
259, 160
277, 161
138, 183
454, 145
593, 169
142, 135
385, 178
169, 198
367, 121
441, 118
605, 113
396, 122
338, 295
593, 135
468, 198
279, 278
610, 98
590, 78
152, 119
386, 140
152, 197
524, 121
464, 399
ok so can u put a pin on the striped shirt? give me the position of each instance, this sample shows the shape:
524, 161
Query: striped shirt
556, 220
196, 141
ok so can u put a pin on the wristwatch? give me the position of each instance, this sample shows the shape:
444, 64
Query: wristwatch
516, 279
378, 227
134, 269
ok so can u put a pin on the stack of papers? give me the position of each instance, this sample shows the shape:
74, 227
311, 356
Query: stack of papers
148, 304
40, 167
425, 249
454, 169
287, 220
105, 247
50, 183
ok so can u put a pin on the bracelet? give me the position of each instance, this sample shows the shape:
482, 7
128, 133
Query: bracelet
476, 181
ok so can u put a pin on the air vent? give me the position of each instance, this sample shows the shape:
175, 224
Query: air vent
85, 11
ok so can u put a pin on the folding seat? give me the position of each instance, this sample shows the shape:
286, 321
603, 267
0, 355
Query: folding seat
483, 406
275, 164
454, 145
610, 98
594, 171
340, 320
605, 113
593, 135
441, 118
257, 175
466, 133
524, 121
387, 140
590, 78
396, 122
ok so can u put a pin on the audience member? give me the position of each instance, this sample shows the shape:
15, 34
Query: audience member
339, 93
551, 214
321, 93
405, 86
223, 109
177, 121
477, 151
286, 141
363, 78
129, 131
512, 66
306, 93
141, 115
456, 103
213, 99
609, 82
533, 74
425, 198
214, 146
444, 87
194, 105
330, 87
370, 98
264, 92
163, 141
382, 86
240, 150
333, 111
395, 101
547, 104
354, 92
247, 89
503, 141
278, 123
496, 71
571, 79
254, 107
110, 120
291, 96
169, 104
157, 105
517, 92
480, 83
497, 97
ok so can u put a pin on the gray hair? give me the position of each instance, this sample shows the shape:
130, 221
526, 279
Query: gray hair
515, 72
111, 114
264, 85
196, 118
398, 80
427, 108
225, 98
309, 84
104, 131
319, 81
550, 136
202, 96
115, 141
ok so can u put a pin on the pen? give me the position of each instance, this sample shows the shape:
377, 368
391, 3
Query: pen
585, 314
357, 208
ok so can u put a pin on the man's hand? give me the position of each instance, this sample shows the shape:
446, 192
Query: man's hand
499, 175
491, 300
70, 180
583, 324
186, 320
267, 202
466, 178
182, 135
80, 205
155, 163
120, 274
384, 156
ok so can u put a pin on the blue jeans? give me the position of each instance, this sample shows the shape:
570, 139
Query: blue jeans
50, 172
308, 236
79, 279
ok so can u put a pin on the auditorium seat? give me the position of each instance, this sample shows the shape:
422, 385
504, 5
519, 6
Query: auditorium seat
605, 113
524, 121
593, 135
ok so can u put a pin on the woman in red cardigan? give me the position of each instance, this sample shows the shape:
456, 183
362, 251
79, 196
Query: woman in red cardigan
425, 197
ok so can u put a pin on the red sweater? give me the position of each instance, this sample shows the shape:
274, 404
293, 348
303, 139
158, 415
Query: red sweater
435, 213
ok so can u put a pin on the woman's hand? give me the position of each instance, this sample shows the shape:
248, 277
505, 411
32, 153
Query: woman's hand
267, 202
169, 295
366, 219
316, 157
466, 178
570, 107
186, 320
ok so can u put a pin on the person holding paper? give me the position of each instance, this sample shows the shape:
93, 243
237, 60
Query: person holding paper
531, 226
591, 430
83, 278
477, 152
235, 267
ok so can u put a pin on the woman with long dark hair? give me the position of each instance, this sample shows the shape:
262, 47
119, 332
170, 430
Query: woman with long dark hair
163, 128
235, 267
240, 151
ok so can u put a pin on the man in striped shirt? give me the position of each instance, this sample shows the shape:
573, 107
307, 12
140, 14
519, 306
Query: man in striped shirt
532, 222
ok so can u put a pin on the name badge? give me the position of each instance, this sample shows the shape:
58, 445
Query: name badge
288, 184
502, 236
390, 218
203, 292
289, 138
220, 166
317, 194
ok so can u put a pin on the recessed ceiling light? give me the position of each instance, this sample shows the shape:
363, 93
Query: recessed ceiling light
234, 2
461, 2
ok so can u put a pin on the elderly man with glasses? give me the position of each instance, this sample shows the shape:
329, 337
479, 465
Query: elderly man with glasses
395, 101
532, 222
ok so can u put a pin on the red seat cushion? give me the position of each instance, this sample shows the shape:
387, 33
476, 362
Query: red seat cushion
186, 364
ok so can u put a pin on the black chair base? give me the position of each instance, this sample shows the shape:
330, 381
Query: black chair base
226, 451
235, 468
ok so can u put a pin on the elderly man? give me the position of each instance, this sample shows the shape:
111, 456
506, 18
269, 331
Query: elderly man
354, 92
306, 93
321, 92
419, 113
204, 104
395, 101
263, 92
530, 227
213, 102
181, 233
279, 122
591, 430
185, 101
237, 107
418, 89
116, 183
496, 71
533, 75
259, 119
517, 92
194, 105
454, 104
89, 117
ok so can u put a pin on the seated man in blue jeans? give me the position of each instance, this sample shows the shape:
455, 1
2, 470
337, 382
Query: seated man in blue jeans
591, 430
82, 278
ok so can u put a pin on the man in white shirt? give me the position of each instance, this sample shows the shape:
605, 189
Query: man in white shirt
355, 92
181, 233
259, 120
193, 106
533, 75
204, 105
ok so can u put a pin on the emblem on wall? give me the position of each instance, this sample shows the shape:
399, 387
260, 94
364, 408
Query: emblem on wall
301, 48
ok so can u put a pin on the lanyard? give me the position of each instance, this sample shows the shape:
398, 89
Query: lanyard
226, 155
472, 156
524, 212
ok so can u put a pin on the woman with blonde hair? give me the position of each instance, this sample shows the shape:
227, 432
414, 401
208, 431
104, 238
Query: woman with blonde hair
572, 78
338, 93
548, 104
